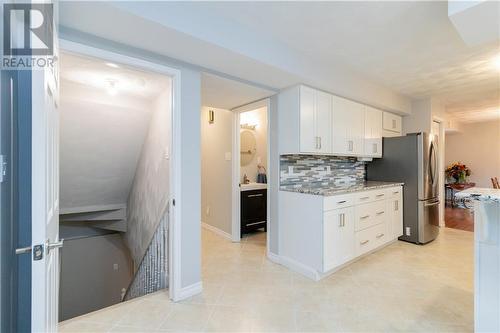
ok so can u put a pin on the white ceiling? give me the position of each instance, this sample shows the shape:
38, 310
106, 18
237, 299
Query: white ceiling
98, 73
223, 93
411, 47
374, 52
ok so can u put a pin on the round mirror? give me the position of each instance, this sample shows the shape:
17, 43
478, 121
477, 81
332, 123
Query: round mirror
248, 145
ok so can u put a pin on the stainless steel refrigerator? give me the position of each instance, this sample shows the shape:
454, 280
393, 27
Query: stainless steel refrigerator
412, 159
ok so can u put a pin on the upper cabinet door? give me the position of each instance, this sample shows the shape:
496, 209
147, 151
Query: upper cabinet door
348, 127
357, 128
323, 112
340, 119
392, 122
309, 141
373, 132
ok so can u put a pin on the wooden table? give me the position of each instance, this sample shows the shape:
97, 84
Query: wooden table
453, 189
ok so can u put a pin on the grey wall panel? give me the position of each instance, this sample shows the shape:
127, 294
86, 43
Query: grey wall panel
93, 272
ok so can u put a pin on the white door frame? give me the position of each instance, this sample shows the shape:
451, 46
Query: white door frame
174, 234
236, 196
441, 166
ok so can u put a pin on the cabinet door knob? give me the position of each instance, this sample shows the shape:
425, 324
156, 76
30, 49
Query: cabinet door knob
364, 242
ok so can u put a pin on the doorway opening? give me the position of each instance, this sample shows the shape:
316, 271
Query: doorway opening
235, 174
115, 182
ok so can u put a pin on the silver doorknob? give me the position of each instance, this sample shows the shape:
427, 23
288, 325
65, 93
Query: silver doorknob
23, 250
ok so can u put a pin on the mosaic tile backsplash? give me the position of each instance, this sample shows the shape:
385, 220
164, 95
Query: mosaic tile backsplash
319, 171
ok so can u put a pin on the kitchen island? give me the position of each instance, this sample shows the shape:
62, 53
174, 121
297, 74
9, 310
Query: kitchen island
486, 257
326, 227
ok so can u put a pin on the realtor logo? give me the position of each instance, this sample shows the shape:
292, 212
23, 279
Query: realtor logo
28, 29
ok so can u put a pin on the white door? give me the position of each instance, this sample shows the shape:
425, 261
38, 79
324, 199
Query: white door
323, 110
308, 138
45, 201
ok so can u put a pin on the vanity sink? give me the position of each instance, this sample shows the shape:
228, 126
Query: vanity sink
253, 186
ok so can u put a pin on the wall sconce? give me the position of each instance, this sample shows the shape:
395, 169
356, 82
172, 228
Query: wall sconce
211, 116
248, 126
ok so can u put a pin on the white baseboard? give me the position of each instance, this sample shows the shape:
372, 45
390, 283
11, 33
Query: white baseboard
299, 268
273, 257
191, 290
216, 230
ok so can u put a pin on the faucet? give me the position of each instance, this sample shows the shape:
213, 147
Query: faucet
245, 179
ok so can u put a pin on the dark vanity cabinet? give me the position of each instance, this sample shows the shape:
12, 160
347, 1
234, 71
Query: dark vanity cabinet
253, 210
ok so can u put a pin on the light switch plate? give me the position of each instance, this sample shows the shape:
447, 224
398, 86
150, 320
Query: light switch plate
167, 153
227, 156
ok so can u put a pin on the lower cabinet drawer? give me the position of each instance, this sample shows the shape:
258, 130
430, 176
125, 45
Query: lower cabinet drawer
370, 214
369, 239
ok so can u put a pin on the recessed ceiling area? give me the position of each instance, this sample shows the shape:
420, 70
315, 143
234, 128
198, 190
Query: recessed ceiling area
223, 93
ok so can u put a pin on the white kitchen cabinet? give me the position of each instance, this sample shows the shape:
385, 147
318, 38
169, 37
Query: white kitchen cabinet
323, 112
308, 135
392, 123
338, 237
395, 212
315, 117
311, 121
373, 132
348, 127
319, 234
304, 120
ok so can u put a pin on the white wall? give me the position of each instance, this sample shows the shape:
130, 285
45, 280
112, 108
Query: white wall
216, 175
258, 116
100, 144
149, 195
478, 146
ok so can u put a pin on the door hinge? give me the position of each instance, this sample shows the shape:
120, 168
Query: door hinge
3, 168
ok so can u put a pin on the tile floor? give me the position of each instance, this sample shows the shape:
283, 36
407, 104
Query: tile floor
403, 287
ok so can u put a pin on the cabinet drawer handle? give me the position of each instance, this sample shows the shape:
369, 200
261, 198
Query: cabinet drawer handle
395, 192
364, 198
396, 205
341, 202
364, 217
380, 195
380, 235
255, 195
380, 213
254, 223
364, 242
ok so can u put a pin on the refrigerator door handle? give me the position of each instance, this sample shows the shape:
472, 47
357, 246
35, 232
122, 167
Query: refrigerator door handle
434, 203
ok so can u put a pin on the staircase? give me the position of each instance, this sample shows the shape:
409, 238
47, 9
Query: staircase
152, 273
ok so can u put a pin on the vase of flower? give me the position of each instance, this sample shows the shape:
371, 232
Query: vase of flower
458, 173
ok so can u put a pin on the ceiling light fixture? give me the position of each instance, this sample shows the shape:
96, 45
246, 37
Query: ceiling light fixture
112, 65
111, 87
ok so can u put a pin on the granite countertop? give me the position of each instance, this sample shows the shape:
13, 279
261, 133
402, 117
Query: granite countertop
480, 194
329, 190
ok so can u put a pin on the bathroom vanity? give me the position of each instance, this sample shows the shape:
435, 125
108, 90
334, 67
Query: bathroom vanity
253, 207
